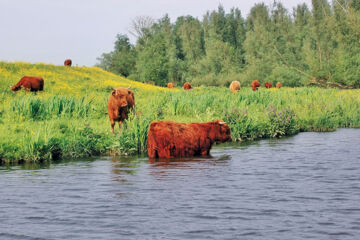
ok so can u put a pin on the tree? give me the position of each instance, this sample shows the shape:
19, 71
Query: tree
140, 26
153, 62
120, 61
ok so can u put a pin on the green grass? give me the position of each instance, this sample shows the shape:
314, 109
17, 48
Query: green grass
69, 119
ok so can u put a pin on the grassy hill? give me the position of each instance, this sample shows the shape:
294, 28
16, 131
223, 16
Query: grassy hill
69, 119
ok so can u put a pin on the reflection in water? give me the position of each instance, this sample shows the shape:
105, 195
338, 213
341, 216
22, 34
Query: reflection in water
303, 187
163, 168
122, 166
26, 166
180, 162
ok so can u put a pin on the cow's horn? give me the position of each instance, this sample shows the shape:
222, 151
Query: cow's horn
222, 122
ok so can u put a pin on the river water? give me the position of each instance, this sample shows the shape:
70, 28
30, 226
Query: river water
301, 187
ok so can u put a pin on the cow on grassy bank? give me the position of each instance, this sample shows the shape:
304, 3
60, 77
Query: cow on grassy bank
121, 100
268, 85
67, 63
170, 85
255, 85
168, 139
235, 86
30, 83
278, 85
187, 86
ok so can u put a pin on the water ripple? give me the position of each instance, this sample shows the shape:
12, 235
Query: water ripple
303, 187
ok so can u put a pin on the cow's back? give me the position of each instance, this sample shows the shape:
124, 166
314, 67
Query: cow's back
169, 140
33, 83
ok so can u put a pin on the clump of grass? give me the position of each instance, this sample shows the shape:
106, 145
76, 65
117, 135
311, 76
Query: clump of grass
133, 136
32, 107
282, 122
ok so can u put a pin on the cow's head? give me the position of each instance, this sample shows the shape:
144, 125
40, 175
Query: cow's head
221, 131
15, 88
124, 97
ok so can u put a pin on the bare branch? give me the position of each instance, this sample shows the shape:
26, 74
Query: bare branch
140, 24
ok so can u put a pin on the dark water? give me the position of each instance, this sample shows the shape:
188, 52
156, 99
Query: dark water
303, 187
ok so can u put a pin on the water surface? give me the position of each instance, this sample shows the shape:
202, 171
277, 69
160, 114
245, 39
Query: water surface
302, 187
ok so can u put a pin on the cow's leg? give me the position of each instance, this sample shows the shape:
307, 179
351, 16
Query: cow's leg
152, 153
112, 126
205, 152
120, 122
205, 149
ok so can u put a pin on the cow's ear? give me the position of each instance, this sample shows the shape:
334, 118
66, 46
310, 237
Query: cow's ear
113, 92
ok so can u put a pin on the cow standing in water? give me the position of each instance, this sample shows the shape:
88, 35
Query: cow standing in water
121, 100
67, 63
30, 83
168, 139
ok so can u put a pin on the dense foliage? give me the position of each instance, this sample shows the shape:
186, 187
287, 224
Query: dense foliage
69, 119
297, 48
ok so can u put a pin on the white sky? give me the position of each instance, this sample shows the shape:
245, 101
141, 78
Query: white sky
52, 30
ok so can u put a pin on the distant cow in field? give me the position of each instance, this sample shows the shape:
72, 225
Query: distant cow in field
170, 85
255, 85
168, 139
30, 83
235, 86
268, 85
67, 63
187, 86
278, 85
121, 100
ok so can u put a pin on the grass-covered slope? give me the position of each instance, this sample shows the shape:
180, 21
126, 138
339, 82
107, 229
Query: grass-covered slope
69, 119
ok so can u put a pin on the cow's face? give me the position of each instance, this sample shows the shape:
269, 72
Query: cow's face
222, 132
121, 96
15, 88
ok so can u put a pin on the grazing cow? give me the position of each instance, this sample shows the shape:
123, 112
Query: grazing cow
30, 83
278, 85
268, 85
120, 101
255, 85
170, 85
168, 139
187, 86
235, 86
67, 63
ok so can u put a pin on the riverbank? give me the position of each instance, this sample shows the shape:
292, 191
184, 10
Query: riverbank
69, 119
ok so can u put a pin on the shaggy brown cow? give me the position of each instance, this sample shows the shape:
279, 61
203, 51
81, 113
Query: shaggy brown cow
187, 86
255, 85
235, 86
278, 85
168, 139
120, 101
268, 85
170, 85
30, 83
67, 63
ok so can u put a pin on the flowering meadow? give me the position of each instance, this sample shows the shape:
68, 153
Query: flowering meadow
69, 118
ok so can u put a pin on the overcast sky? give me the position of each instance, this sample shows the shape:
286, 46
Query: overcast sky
52, 30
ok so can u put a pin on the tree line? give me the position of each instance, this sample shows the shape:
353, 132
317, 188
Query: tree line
317, 45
